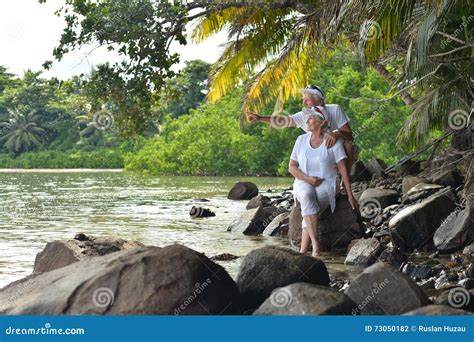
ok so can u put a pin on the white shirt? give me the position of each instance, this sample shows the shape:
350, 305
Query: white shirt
319, 162
337, 117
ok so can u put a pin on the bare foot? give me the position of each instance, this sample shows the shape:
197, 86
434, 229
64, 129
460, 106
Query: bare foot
315, 254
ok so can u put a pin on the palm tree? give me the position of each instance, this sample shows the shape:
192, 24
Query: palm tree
22, 131
426, 42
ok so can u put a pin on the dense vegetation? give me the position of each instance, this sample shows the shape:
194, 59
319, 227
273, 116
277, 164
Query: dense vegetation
423, 48
186, 135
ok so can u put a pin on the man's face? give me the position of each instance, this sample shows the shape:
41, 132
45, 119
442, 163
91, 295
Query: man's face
309, 100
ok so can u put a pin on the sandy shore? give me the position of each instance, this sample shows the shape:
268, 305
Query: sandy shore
58, 170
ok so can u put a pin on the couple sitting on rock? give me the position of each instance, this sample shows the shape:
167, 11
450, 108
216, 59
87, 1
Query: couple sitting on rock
327, 146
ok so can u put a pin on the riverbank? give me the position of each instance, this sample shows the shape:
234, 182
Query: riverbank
59, 170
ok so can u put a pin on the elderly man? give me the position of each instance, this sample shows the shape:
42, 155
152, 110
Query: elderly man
338, 121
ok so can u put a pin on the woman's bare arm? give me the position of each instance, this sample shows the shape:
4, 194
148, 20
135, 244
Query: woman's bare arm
293, 168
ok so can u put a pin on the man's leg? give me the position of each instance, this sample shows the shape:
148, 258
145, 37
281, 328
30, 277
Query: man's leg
350, 152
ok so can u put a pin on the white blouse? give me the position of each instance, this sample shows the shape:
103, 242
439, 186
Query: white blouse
319, 162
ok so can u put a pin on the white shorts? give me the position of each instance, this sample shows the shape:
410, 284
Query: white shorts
313, 200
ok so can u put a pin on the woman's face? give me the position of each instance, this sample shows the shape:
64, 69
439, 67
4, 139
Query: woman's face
314, 122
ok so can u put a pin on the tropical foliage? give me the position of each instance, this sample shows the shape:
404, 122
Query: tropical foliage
423, 47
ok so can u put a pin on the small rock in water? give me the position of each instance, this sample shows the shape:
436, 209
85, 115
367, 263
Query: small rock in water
82, 237
224, 257
201, 200
198, 212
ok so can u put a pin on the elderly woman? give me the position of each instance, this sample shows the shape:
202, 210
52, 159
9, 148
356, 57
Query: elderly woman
314, 167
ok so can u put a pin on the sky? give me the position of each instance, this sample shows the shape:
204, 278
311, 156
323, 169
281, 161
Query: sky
29, 31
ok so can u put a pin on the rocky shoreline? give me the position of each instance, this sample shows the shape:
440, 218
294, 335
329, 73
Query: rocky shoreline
413, 242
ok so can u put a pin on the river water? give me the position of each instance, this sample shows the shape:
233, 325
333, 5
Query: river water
39, 207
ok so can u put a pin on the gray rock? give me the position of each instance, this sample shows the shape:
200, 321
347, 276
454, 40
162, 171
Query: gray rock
409, 182
253, 221
458, 298
376, 167
455, 232
422, 187
306, 299
258, 201
141, 281
267, 268
393, 256
61, 253
446, 178
336, 230
415, 225
467, 283
224, 257
200, 212
381, 289
279, 226
384, 197
410, 167
469, 249
437, 310
359, 172
418, 272
243, 191
364, 252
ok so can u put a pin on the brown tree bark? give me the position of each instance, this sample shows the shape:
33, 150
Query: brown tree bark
404, 95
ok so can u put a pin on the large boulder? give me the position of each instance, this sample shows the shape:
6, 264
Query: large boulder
336, 230
243, 191
258, 201
376, 167
455, 232
437, 310
279, 226
253, 221
267, 268
142, 281
383, 290
447, 178
61, 253
410, 167
306, 299
364, 252
415, 225
384, 197
409, 182
359, 172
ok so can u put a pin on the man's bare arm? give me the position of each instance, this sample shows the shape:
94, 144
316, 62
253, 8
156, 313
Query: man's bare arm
276, 121
346, 132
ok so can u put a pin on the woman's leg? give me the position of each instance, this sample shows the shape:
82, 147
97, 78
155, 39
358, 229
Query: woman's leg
306, 195
305, 241
312, 228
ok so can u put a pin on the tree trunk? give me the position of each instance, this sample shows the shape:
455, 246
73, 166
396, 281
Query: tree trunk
404, 95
